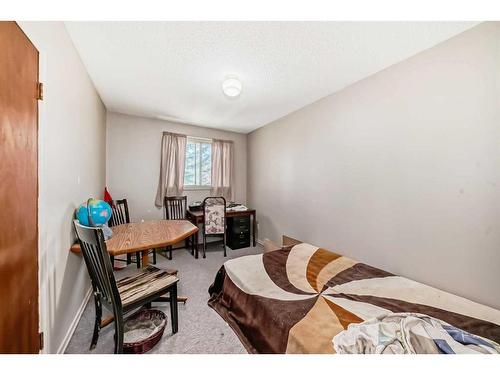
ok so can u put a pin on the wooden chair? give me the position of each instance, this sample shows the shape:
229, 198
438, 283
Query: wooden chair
125, 295
214, 220
120, 216
176, 209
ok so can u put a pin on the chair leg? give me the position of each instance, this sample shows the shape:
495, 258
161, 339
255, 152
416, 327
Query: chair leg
204, 245
112, 258
118, 333
195, 245
97, 324
173, 309
129, 258
170, 252
224, 244
138, 259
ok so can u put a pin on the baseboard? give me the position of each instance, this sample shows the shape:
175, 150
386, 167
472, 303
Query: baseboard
74, 323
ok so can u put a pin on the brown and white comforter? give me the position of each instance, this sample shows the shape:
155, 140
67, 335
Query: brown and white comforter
296, 301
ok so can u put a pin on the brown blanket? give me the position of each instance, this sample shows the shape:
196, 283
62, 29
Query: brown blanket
296, 301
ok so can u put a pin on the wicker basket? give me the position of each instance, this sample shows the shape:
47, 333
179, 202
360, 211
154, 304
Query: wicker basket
143, 330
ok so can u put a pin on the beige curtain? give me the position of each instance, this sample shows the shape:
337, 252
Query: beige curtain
222, 169
173, 153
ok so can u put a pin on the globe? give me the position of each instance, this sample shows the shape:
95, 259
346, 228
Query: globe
99, 211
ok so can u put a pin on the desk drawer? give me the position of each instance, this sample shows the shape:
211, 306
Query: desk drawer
238, 230
236, 246
240, 236
237, 243
239, 220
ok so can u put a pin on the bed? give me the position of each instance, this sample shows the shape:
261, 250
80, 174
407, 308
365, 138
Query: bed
296, 299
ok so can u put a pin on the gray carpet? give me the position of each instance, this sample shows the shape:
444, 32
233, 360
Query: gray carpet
201, 329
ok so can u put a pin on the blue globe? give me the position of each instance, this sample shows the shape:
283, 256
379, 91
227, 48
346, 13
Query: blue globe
100, 212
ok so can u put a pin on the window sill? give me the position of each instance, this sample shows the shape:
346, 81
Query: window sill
197, 188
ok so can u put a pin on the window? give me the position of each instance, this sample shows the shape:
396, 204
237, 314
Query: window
198, 165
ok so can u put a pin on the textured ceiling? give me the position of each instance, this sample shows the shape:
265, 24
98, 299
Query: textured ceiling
174, 70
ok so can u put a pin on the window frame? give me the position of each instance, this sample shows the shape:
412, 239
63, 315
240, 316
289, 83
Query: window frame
199, 140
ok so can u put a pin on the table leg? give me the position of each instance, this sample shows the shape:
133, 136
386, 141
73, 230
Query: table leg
254, 228
107, 321
190, 241
195, 245
145, 259
167, 299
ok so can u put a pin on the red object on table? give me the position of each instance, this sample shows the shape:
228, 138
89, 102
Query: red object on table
107, 197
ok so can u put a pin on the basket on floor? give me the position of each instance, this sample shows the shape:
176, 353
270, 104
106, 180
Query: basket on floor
143, 330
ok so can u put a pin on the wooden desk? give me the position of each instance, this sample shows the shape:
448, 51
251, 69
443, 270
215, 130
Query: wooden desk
144, 236
196, 218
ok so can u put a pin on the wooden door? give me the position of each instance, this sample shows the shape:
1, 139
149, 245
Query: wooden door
18, 192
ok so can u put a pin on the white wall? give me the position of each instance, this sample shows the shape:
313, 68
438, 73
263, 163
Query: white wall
133, 161
400, 170
71, 169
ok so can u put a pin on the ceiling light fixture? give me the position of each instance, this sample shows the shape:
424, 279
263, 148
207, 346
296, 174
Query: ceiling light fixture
231, 87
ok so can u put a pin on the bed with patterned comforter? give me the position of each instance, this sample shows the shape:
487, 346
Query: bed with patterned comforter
296, 301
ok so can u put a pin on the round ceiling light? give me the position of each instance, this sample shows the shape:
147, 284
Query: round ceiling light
231, 87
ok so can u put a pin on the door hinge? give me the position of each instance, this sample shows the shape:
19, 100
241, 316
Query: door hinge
40, 335
40, 91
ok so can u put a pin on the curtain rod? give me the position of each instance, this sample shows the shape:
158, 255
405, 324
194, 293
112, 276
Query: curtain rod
200, 138
209, 139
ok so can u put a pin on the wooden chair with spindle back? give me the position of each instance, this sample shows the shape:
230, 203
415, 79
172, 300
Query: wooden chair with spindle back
120, 216
120, 212
125, 295
175, 209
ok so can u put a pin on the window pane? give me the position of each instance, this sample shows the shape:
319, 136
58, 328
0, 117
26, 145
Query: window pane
206, 164
198, 164
190, 164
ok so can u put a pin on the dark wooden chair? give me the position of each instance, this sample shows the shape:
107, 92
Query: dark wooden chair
125, 295
176, 209
120, 216
214, 220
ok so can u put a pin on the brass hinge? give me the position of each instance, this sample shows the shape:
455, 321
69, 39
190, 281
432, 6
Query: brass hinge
40, 91
40, 335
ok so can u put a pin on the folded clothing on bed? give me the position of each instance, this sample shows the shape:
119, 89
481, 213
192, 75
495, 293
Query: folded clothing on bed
297, 300
409, 333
